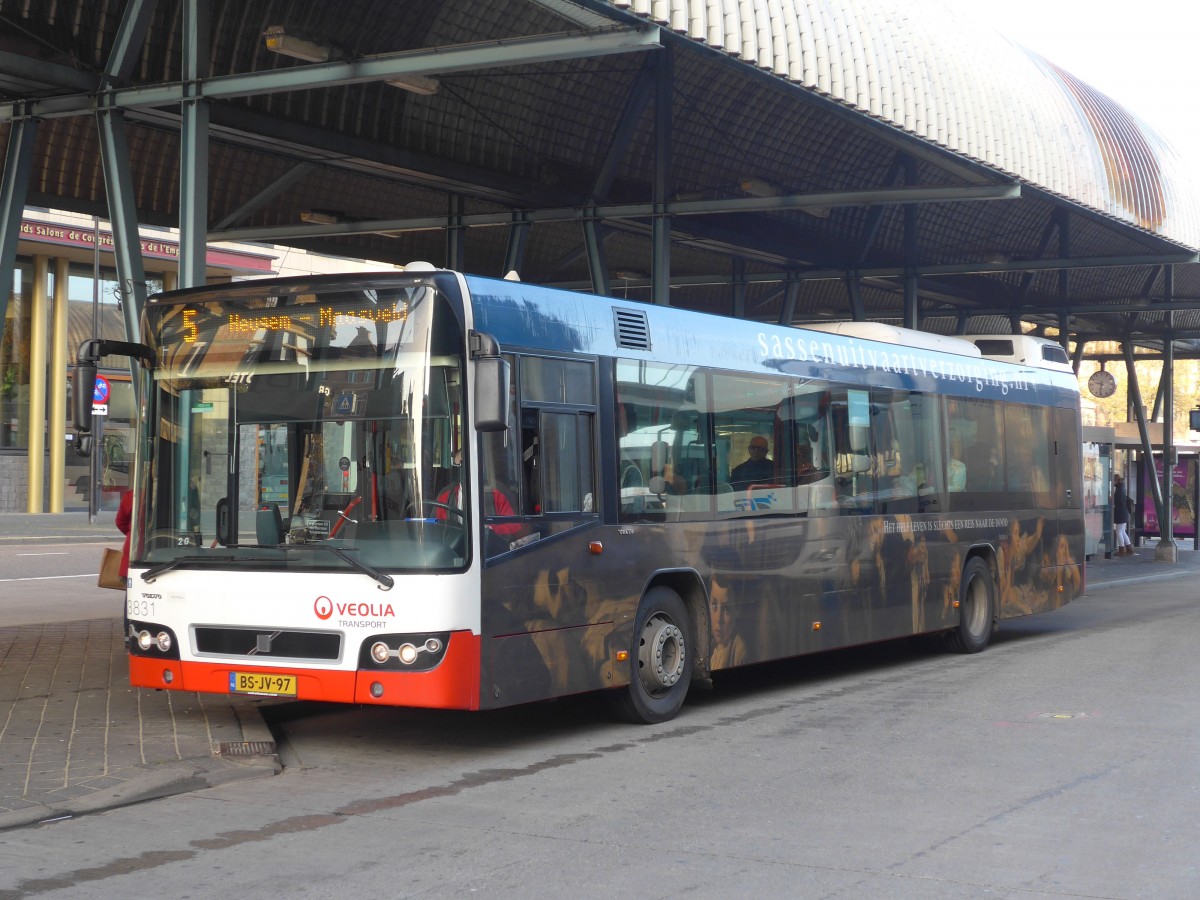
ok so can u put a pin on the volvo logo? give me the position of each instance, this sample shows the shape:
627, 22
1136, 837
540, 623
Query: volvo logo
262, 643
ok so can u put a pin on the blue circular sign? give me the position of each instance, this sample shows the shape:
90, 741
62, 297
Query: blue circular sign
100, 391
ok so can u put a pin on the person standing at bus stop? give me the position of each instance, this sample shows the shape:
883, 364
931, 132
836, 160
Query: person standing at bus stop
1124, 546
124, 522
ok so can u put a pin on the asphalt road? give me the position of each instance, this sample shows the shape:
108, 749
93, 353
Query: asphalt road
53, 583
1063, 761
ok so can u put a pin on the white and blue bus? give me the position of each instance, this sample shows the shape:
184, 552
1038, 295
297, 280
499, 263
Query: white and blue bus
433, 489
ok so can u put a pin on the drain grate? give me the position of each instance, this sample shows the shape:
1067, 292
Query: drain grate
246, 748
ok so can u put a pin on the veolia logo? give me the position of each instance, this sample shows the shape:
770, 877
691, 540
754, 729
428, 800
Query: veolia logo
323, 607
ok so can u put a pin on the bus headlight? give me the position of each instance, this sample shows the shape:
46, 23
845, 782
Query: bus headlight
145, 640
163, 642
407, 654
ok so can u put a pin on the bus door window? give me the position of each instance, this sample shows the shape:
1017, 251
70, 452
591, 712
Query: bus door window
555, 463
850, 423
501, 455
810, 452
910, 472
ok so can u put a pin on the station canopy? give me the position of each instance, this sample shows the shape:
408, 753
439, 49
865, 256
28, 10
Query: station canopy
782, 160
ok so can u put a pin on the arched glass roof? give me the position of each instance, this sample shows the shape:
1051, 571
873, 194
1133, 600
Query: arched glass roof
917, 65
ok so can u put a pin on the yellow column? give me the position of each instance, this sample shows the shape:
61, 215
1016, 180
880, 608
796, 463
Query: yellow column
60, 356
37, 384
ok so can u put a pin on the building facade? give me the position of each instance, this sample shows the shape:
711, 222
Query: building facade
65, 291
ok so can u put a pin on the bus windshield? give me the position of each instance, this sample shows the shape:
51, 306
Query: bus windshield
288, 424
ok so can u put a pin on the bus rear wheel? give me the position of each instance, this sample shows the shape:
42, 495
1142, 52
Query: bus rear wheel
976, 608
661, 658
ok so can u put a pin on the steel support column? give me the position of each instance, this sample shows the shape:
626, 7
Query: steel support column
122, 212
1166, 549
912, 303
518, 239
193, 155
1064, 280
1139, 414
791, 294
38, 342
737, 287
854, 290
597, 259
660, 274
455, 234
18, 165
56, 420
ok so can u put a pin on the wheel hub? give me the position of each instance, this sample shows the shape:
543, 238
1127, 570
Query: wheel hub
661, 657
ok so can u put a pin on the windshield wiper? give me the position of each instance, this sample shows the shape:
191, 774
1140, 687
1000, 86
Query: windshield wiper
387, 581
154, 571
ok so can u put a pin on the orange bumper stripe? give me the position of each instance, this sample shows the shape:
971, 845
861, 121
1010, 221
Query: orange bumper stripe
454, 684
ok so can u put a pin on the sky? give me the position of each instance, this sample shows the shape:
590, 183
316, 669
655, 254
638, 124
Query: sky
1143, 54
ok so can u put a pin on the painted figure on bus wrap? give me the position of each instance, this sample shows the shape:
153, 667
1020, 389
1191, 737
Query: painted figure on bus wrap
1019, 568
728, 646
756, 469
1062, 574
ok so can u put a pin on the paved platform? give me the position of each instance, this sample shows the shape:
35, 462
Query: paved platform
75, 738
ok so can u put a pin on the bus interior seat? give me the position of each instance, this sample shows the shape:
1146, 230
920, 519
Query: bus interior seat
268, 525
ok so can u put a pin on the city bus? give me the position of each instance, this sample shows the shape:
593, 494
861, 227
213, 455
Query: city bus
431, 489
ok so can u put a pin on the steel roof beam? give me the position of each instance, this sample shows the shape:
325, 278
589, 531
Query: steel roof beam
440, 61
899, 196
129, 41
14, 189
29, 75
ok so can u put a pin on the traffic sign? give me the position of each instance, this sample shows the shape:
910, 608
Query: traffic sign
101, 391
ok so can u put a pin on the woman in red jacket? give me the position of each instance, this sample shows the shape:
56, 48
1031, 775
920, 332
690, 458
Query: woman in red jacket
124, 520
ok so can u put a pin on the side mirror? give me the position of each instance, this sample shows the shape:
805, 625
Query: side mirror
492, 378
223, 522
83, 386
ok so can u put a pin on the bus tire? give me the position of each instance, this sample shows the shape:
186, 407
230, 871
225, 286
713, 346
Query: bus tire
660, 659
976, 608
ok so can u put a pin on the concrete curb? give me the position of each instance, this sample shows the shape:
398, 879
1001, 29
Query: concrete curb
165, 780
1136, 579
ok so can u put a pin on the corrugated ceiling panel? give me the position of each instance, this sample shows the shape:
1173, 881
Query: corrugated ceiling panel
913, 63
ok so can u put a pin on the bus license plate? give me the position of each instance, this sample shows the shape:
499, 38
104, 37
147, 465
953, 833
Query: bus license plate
270, 684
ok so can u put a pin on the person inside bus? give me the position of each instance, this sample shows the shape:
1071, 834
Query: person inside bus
757, 469
494, 501
806, 470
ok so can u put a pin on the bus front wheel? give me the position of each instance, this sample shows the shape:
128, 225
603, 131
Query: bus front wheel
976, 608
660, 658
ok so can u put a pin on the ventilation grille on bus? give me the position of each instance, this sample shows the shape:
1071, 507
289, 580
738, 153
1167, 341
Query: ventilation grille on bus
633, 331
267, 643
